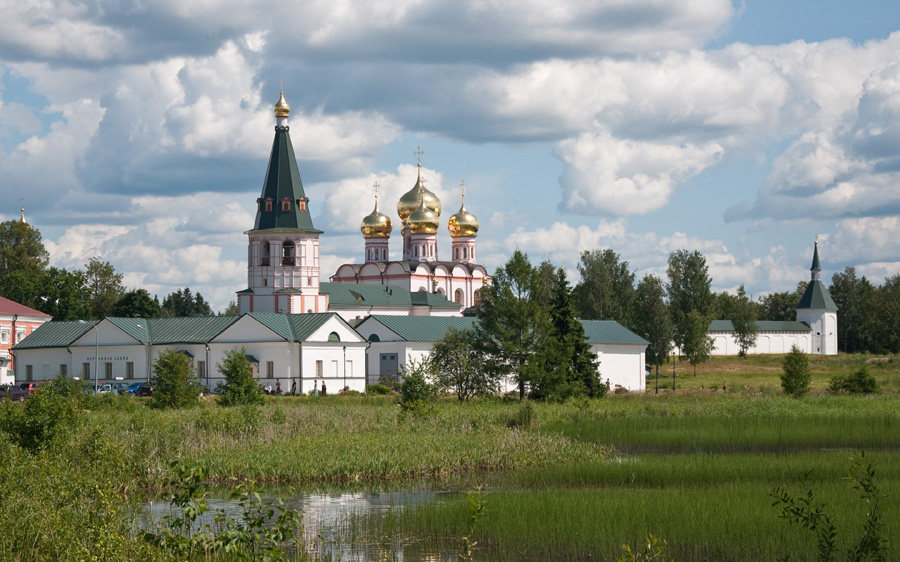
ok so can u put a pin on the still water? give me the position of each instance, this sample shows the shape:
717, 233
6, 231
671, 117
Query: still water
329, 516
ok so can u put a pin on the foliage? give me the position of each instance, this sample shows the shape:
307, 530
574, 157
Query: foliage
859, 381
239, 387
852, 295
782, 306
654, 549
183, 303
62, 294
477, 506
806, 512
21, 250
378, 389
883, 312
136, 304
697, 342
48, 414
261, 533
174, 383
416, 393
104, 285
230, 310
796, 376
688, 291
652, 321
567, 365
461, 366
606, 290
743, 318
512, 319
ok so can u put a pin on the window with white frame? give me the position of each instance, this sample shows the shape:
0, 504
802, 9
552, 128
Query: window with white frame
4, 335
270, 369
319, 368
107, 370
334, 368
129, 370
20, 334
85, 371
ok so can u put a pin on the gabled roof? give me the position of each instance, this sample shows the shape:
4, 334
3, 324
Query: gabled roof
817, 297
423, 328
351, 294
187, 329
55, 334
610, 332
13, 308
283, 182
293, 327
762, 326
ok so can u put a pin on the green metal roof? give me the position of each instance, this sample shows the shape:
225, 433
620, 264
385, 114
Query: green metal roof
283, 181
817, 297
293, 327
351, 294
186, 329
424, 328
761, 325
55, 334
815, 263
610, 332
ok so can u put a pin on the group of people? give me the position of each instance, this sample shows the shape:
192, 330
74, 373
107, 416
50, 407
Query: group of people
267, 388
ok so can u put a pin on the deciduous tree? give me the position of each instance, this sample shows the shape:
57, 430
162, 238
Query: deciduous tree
105, 286
22, 250
688, 291
461, 366
743, 318
651, 320
174, 383
239, 387
606, 290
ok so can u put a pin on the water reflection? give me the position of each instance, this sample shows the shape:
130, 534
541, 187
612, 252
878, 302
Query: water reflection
329, 519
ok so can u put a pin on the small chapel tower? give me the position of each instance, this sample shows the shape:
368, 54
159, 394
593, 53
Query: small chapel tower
818, 311
463, 227
283, 252
376, 229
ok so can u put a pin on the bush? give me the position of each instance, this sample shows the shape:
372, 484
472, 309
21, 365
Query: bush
796, 376
415, 386
858, 382
50, 412
239, 387
377, 389
174, 384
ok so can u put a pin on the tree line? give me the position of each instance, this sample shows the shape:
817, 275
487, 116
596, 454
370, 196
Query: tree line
94, 292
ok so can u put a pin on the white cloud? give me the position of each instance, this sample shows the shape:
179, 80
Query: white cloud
605, 175
872, 239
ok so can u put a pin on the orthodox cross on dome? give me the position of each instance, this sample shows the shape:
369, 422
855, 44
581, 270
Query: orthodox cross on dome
375, 185
419, 152
462, 185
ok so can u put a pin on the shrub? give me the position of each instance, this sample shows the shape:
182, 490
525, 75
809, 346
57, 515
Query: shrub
239, 387
47, 414
858, 382
415, 386
174, 384
796, 376
377, 389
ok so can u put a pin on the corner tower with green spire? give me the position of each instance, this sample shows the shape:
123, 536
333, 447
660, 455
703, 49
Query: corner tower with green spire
817, 310
283, 253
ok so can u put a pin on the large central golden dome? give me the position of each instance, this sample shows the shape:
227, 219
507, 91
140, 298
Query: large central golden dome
376, 224
413, 199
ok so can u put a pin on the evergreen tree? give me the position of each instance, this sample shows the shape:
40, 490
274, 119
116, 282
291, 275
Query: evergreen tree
570, 367
853, 296
183, 303
743, 318
651, 320
796, 376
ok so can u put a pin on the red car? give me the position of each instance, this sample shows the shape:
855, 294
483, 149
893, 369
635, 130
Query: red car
30, 386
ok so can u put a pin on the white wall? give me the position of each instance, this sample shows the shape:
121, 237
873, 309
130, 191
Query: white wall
623, 365
766, 342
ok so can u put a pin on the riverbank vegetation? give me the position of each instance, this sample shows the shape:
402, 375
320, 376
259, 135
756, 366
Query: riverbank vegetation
564, 480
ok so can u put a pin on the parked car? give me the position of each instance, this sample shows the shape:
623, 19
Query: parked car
120, 387
13, 393
105, 388
30, 386
139, 389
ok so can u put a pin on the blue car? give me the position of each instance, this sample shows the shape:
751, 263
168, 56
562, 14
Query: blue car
139, 389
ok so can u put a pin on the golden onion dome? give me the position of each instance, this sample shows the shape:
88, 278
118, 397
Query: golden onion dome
423, 220
412, 199
376, 224
463, 223
282, 109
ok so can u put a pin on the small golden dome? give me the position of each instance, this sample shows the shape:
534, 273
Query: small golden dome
463, 223
376, 224
423, 220
412, 199
282, 109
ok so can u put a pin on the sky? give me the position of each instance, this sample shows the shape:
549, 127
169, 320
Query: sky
139, 132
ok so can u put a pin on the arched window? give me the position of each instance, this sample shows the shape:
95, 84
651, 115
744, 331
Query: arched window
440, 291
333, 336
287, 253
268, 203
264, 253
286, 204
458, 296
374, 337
301, 203
477, 296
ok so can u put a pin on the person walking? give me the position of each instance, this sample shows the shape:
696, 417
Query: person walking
316, 387
324, 390
294, 388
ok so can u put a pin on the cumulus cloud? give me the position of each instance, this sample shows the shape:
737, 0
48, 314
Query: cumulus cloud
612, 176
872, 239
